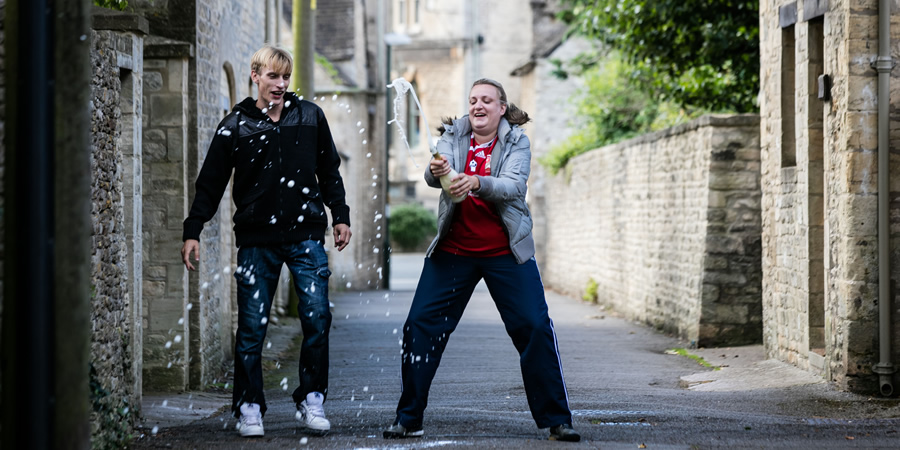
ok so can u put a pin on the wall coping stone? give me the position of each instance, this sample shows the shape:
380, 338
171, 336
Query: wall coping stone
163, 48
108, 19
709, 120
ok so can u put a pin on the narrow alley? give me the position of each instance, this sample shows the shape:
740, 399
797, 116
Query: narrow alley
625, 389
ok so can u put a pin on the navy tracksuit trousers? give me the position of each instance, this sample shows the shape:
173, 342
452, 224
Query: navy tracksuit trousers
444, 290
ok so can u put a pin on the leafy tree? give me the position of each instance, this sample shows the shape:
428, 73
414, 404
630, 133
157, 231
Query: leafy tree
701, 53
608, 111
118, 5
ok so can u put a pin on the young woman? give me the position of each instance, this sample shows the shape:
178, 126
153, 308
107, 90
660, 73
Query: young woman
485, 236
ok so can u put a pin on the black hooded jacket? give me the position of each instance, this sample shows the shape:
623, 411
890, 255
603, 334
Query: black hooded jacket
285, 173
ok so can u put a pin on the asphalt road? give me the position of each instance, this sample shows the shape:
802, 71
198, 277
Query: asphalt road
624, 389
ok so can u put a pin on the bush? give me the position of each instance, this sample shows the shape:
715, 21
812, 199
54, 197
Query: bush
412, 227
609, 109
118, 5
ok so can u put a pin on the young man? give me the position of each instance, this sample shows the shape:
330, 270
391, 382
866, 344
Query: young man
285, 168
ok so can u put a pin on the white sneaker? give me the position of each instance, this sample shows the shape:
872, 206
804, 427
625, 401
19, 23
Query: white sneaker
311, 414
251, 420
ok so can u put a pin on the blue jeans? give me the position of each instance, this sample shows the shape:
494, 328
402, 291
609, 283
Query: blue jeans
444, 290
257, 278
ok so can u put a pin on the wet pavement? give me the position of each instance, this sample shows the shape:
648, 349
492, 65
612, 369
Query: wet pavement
626, 389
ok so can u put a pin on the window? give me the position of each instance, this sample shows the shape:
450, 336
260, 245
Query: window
407, 15
788, 102
412, 119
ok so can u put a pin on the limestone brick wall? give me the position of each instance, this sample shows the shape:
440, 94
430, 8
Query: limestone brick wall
228, 32
502, 49
824, 207
222, 35
548, 100
165, 313
667, 226
358, 136
335, 21
111, 320
131, 67
208, 290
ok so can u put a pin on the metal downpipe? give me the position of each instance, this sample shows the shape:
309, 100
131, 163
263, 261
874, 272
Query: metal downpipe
885, 367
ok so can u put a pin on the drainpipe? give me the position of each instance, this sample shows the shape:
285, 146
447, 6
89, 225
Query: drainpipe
885, 368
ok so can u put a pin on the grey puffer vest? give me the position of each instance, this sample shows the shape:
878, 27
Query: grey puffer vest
505, 187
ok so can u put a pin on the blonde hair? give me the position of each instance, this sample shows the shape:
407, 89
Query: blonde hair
276, 58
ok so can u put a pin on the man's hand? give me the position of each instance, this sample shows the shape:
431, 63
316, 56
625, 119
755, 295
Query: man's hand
341, 235
192, 246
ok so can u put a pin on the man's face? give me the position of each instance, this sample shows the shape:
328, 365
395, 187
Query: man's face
272, 85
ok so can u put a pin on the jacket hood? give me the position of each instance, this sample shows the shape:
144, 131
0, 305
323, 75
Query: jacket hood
247, 107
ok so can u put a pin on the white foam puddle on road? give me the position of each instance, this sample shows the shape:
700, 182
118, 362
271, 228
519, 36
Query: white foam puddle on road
863, 422
610, 412
420, 444
614, 413
621, 424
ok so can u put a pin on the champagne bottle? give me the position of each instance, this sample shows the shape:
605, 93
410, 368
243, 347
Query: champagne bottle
446, 183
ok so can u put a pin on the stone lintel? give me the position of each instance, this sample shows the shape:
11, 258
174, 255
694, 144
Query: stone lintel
163, 48
124, 61
787, 15
814, 8
108, 19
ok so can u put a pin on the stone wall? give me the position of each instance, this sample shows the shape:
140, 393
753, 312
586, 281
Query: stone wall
356, 129
667, 226
335, 23
548, 101
166, 332
228, 33
112, 319
819, 172
208, 80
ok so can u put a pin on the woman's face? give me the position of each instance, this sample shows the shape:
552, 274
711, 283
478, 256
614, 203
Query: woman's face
485, 109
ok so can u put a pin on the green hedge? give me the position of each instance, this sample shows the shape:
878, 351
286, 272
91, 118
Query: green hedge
412, 227
610, 109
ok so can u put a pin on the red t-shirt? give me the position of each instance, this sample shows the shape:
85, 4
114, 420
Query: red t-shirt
476, 228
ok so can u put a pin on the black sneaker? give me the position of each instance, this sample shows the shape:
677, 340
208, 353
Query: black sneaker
397, 431
564, 432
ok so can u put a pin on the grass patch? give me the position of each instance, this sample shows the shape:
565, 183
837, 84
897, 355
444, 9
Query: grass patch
697, 359
590, 291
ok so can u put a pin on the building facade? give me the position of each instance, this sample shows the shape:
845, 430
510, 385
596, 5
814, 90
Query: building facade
819, 147
163, 75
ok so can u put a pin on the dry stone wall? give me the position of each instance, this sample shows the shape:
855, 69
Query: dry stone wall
111, 321
667, 226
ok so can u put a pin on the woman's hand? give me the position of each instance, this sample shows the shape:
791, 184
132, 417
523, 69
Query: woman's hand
463, 184
439, 167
